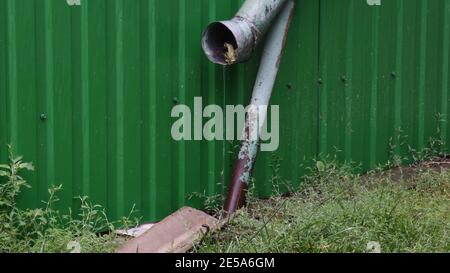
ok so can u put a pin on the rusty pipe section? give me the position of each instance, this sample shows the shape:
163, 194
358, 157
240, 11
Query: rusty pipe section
257, 111
233, 41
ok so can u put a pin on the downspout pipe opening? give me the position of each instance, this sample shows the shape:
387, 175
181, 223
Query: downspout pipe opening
234, 41
220, 43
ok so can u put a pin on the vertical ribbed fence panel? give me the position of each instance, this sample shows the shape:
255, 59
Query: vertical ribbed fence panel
385, 78
86, 93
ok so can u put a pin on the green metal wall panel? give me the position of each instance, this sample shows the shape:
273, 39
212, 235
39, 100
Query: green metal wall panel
385, 74
86, 93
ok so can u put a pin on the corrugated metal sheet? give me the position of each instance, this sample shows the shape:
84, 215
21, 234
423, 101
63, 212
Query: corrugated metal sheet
385, 74
86, 93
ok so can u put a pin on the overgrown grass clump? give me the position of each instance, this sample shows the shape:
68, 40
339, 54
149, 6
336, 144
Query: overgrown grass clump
337, 211
46, 229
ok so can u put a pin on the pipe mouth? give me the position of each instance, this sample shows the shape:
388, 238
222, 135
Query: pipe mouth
219, 44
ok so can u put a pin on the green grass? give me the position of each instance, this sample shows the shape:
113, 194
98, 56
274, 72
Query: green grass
336, 211
333, 211
47, 229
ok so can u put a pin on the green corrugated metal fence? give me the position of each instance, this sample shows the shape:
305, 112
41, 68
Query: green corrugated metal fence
86, 93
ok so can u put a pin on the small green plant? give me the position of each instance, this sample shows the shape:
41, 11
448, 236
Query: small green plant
402, 152
14, 183
277, 181
46, 229
211, 204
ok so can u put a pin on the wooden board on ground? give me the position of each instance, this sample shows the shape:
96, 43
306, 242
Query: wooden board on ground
175, 234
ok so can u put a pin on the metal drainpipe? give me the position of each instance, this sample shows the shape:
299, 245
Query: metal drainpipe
243, 32
257, 114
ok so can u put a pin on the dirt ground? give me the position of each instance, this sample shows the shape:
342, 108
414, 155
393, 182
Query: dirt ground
407, 172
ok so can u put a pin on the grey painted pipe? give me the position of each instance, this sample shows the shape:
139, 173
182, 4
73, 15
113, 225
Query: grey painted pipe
257, 115
233, 41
